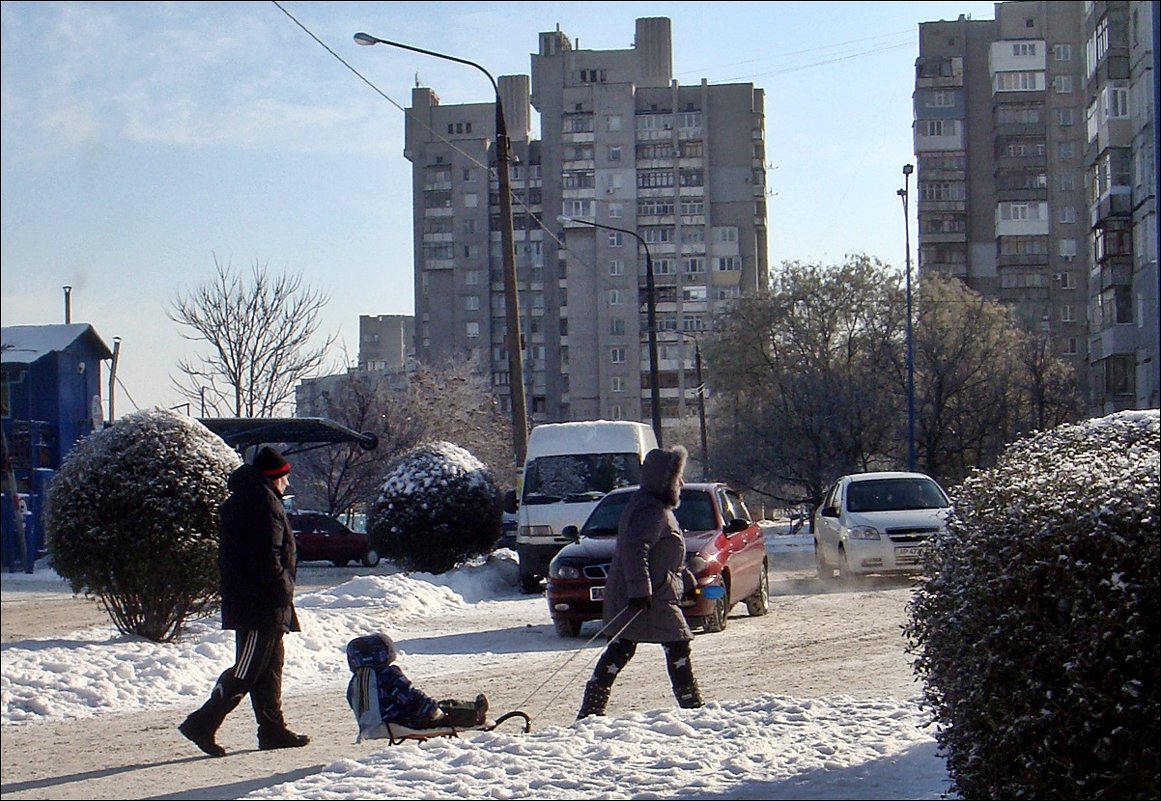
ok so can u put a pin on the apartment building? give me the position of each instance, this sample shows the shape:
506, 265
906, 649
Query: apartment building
1024, 141
624, 146
385, 341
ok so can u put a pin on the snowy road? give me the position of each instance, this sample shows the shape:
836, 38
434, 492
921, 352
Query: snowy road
816, 642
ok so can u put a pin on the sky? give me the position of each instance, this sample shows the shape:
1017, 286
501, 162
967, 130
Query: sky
140, 142
765, 746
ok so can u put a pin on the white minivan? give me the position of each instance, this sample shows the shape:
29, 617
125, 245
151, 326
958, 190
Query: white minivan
568, 468
877, 523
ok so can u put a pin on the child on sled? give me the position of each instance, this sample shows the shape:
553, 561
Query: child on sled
385, 701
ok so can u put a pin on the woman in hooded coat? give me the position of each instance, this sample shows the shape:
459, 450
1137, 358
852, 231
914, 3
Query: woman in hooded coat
647, 578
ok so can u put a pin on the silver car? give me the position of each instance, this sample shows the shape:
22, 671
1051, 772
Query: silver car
877, 523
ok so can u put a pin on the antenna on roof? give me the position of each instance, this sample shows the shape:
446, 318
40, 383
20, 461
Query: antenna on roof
68, 305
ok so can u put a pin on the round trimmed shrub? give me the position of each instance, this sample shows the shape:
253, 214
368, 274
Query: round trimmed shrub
1036, 631
438, 507
132, 518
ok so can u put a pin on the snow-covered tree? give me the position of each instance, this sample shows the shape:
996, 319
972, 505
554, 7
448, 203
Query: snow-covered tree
132, 518
1036, 633
438, 506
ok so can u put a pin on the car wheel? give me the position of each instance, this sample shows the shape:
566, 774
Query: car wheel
340, 562
567, 628
529, 584
370, 558
758, 604
716, 620
825, 571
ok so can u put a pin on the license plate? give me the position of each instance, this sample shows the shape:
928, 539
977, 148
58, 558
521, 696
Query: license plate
910, 550
596, 593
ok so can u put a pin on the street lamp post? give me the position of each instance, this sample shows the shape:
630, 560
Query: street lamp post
903, 193
651, 304
514, 340
700, 405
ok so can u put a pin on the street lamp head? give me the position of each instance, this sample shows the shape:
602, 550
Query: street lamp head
365, 39
908, 169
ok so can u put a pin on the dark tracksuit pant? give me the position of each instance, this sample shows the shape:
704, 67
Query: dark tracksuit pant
257, 670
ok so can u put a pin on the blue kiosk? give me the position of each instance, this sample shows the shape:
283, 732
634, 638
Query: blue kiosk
50, 397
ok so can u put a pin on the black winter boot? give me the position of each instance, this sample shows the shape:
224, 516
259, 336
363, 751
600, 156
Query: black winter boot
595, 699
270, 739
688, 695
199, 729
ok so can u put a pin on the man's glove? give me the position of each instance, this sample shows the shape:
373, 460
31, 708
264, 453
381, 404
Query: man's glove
640, 603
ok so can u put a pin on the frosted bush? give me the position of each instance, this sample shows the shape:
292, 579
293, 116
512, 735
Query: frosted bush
132, 518
1036, 631
438, 506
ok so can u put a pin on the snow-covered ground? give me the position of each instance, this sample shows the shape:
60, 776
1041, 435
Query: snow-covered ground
472, 630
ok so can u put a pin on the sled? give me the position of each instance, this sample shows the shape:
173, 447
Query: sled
396, 733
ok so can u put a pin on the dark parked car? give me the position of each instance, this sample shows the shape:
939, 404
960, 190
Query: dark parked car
321, 537
725, 547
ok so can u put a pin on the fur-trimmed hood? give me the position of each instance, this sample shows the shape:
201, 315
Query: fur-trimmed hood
661, 474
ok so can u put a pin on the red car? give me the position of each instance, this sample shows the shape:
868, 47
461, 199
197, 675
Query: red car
321, 537
725, 548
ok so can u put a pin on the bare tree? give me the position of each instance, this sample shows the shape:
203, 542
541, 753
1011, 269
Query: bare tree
258, 334
804, 379
450, 402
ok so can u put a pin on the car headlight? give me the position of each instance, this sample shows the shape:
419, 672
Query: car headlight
563, 571
864, 533
696, 563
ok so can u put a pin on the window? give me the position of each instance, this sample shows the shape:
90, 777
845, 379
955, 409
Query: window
1066, 214
616, 239
652, 179
942, 190
728, 263
1062, 84
692, 206
613, 122
1064, 116
472, 303
1062, 52
1065, 150
616, 211
1067, 281
577, 207
617, 355
472, 330
617, 326
614, 153
615, 297
694, 264
1070, 346
1066, 313
471, 200
941, 99
1068, 249
616, 267
617, 384
655, 235
1023, 49
472, 277
693, 293
1018, 82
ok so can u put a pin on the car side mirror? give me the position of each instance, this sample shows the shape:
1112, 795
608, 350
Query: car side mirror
571, 533
510, 504
829, 511
736, 525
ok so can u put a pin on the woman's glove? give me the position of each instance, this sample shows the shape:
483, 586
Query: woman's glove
641, 603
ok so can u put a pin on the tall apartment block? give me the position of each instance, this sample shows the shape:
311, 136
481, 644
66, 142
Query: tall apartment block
1024, 148
622, 145
385, 341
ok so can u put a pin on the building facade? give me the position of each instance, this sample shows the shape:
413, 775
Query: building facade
386, 341
1024, 138
621, 145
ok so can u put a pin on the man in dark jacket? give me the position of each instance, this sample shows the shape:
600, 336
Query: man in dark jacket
647, 578
257, 558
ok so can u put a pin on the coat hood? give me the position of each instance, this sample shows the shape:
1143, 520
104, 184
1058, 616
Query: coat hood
661, 474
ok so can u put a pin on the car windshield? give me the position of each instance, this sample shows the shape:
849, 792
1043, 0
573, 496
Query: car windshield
892, 494
578, 477
696, 513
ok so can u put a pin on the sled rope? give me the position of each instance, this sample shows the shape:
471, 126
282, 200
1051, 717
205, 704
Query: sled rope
574, 655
